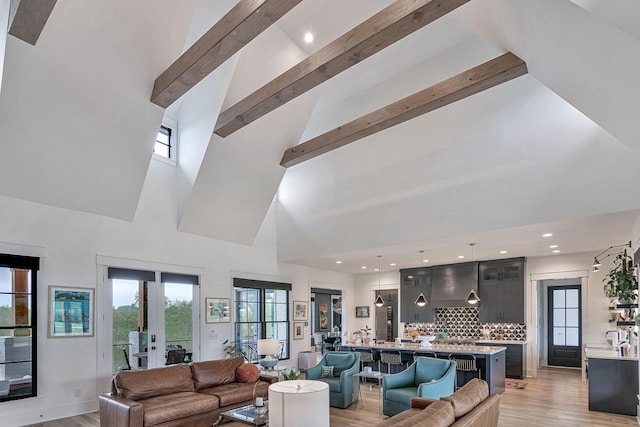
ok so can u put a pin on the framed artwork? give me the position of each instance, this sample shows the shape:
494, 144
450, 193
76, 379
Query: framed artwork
300, 310
298, 330
323, 310
362, 311
70, 312
217, 310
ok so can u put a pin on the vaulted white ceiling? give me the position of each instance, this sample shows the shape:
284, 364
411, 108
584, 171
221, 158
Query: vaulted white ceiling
557, 148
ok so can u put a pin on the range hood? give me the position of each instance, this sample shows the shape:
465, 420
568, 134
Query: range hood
452, 283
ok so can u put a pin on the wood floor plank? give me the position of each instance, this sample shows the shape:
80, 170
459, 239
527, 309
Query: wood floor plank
556, 397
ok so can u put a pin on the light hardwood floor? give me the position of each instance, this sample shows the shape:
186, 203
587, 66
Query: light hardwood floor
557, 397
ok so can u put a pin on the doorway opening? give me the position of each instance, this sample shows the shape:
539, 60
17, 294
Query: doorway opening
326, 318
560, 322
386, 317
565, 326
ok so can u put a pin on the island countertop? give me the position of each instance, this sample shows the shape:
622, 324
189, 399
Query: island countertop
438, 348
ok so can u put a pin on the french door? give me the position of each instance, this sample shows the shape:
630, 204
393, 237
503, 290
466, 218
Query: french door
146, 313
565, 326
149, 318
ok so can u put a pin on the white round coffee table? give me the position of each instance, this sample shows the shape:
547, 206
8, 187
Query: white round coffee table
299, 402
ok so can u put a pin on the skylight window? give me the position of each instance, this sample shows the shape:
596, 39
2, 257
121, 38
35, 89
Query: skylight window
163, 146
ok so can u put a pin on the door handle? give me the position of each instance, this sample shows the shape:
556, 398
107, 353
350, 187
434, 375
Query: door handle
153, 347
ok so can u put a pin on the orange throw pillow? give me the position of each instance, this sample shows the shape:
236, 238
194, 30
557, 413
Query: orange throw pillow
247, 373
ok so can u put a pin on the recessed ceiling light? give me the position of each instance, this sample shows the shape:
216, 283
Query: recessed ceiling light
503, 252
364, 267
553, 246
376, 269
460, 256
557, 251
308, 37
547, 235
338, 262
393, 264
426, 260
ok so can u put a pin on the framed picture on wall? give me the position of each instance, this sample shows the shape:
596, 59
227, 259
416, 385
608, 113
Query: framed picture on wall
298, 330
217, 310
323, 314
362, 311
300, 310
70, 312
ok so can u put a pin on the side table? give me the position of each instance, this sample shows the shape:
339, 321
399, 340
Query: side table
376, 375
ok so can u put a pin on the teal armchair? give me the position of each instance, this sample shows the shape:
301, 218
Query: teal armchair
426, 377
342, 385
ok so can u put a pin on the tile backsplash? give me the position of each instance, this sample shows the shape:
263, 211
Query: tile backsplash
462, 322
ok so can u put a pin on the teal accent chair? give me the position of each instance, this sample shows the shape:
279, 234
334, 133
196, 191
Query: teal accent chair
426, 377
342, 386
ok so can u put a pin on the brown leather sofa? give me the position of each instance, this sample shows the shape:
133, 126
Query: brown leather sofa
470, 406
178, 395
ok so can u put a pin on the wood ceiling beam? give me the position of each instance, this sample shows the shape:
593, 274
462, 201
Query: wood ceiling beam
244, 22
492, 73
388, 26
30, 18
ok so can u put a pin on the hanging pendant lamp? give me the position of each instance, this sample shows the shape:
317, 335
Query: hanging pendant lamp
379, 301
473, 298
421, 301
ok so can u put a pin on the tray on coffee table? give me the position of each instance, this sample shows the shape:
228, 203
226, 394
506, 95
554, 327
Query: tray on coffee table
246, 414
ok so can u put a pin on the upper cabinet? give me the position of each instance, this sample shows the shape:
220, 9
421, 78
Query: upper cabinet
452, 284
413, 281
501, 291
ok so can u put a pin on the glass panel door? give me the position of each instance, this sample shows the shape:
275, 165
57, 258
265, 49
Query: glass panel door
564, 326
130, 324
178, 322
153, 324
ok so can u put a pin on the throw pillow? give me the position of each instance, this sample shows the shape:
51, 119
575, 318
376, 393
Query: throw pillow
247, 373
326, 371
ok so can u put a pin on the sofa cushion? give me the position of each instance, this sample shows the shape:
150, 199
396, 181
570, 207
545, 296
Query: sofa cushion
143, 384
232, 393
340, 361
401, 394
247, 373
392, 421
161, 409
215, 372
437, 414
468, 397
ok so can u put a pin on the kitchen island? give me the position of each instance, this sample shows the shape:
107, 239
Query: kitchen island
490, 360
613, 381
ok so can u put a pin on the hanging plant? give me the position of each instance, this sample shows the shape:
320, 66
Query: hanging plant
621, 282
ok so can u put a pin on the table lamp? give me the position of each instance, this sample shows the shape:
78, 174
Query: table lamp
269, 348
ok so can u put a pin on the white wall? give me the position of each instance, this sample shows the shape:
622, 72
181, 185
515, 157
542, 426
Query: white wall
72, 240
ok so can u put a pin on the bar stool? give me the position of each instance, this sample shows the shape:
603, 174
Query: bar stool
391, 357
366, 356
464, 363
417, 354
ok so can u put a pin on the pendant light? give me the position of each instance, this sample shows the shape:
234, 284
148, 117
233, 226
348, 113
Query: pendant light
379, 301
473, 298
421, 301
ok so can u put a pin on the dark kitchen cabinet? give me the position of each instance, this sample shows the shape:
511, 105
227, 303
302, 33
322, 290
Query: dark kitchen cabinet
452, 283
412, 282
514, 358
501, 291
